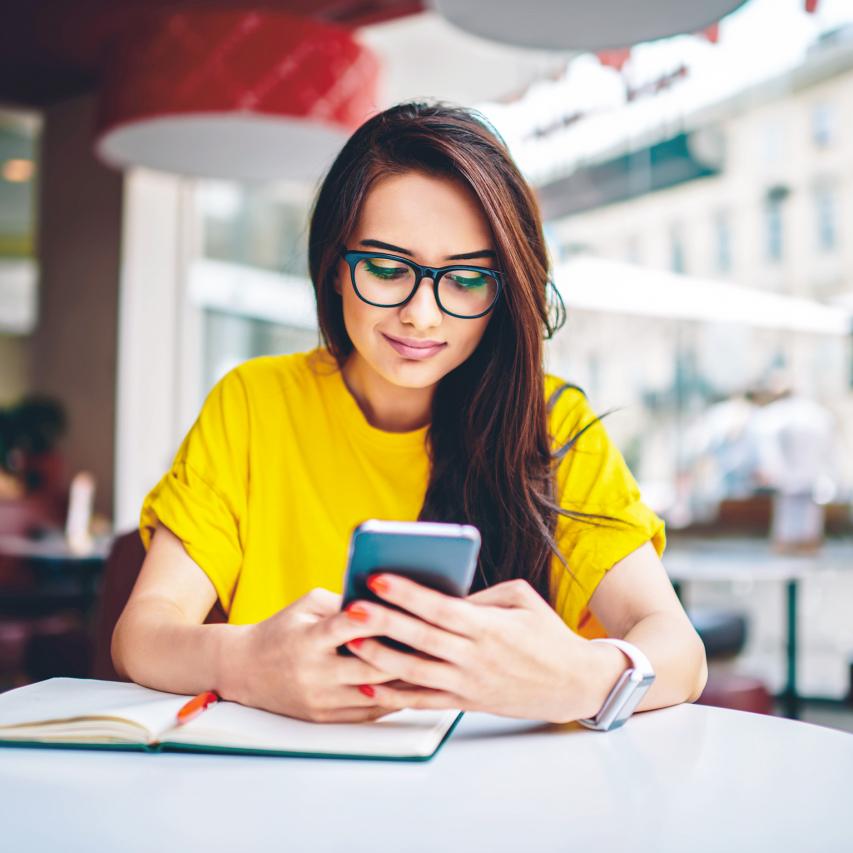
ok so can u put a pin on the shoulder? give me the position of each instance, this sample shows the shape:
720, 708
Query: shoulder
264, 369
567, 408
265, 376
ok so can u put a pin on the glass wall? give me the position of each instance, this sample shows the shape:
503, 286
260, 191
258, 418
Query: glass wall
19, 135
251, 279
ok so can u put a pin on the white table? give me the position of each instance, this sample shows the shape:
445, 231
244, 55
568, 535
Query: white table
688, 778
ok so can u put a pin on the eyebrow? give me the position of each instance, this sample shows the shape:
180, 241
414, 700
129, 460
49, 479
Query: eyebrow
378, 244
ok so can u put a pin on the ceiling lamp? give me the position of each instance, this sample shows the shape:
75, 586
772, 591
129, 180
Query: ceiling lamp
241, 95
582, 24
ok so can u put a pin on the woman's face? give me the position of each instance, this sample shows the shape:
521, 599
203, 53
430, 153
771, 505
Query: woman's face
426, 219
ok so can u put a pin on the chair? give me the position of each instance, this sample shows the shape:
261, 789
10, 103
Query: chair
120, 573
21, 517
724, 634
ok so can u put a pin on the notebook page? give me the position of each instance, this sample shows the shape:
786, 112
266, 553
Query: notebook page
403, 733
61, 701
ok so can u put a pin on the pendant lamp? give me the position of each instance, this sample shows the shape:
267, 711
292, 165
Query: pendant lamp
235, 95
589, 25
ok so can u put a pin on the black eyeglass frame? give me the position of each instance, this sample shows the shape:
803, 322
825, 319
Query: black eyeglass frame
352, 257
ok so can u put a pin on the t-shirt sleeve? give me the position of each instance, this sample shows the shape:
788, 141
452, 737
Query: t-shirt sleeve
593, 477
202, 498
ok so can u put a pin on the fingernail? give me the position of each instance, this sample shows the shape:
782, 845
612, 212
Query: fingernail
356, 642
356, 612
366, 689
378, 584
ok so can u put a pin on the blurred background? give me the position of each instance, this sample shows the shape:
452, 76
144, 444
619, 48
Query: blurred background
692, 164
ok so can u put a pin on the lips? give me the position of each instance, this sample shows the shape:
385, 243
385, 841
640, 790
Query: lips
412, 349
412, 342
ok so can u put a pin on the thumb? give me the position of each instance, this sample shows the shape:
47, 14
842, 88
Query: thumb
319, 601
505, 594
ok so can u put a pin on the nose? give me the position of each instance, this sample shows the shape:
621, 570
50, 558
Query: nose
422, 311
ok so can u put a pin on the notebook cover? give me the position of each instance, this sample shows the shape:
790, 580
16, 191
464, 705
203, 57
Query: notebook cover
166, 746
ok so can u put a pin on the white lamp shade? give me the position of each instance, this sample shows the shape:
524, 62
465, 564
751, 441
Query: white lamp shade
588, 25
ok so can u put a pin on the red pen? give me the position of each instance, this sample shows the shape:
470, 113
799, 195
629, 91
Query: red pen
196, 705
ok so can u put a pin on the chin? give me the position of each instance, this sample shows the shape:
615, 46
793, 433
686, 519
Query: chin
410, 374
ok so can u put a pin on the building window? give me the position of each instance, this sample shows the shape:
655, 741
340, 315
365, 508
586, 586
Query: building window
826, 217
773, 222
723, 242
677, 260
823, 124
773, 143
633, 253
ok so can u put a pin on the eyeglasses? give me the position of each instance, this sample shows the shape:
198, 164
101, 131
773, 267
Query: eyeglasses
388, 281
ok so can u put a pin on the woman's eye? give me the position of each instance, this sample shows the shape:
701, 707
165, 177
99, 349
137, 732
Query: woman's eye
468, 280
386, 269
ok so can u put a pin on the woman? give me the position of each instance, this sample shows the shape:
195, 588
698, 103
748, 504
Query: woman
427, 401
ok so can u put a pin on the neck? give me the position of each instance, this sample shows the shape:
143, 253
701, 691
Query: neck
386, 406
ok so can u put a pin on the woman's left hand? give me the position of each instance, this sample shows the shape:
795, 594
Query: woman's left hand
502, 650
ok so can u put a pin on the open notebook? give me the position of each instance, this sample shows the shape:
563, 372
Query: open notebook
81, 712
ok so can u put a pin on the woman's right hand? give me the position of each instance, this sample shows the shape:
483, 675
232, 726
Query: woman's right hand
288, 664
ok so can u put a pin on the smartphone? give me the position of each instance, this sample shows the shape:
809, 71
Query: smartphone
436, 554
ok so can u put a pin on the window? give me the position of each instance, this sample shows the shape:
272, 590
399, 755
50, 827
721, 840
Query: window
677, 261
19, 151
823, 124
826, 209
633, 253
723, 242
574, 248
773, 223
773, 143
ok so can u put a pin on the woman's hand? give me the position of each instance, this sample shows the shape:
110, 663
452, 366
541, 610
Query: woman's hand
289, 664
503, 650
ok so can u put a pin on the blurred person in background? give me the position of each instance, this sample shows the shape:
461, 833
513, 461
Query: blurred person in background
797, 442
720, 457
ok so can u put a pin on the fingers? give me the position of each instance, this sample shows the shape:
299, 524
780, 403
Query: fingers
367, 619
357, 714
354, 671
444, 611
411, 696
410, 668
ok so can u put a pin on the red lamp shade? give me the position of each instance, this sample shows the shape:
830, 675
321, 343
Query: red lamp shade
252, 96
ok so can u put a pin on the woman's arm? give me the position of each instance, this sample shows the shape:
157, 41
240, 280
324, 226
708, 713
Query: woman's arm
287, 664
159, 640
635, 601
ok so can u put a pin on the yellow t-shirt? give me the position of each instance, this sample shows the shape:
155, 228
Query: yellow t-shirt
281, 465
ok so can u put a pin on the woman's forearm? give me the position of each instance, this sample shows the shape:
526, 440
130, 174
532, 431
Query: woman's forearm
675, 652
153, 646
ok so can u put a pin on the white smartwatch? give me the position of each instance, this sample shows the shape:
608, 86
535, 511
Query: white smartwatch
628, 690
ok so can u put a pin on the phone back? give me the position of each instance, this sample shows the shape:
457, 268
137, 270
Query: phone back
438, 555
441, 556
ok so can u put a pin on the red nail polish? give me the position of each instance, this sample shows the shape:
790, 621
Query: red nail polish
366, 689
356, 642
356, 612
378, 585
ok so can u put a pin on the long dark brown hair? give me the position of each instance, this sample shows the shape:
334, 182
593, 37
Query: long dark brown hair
491, 459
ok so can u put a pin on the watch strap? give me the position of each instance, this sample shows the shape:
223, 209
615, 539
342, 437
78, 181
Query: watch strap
636, 656
628, 690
